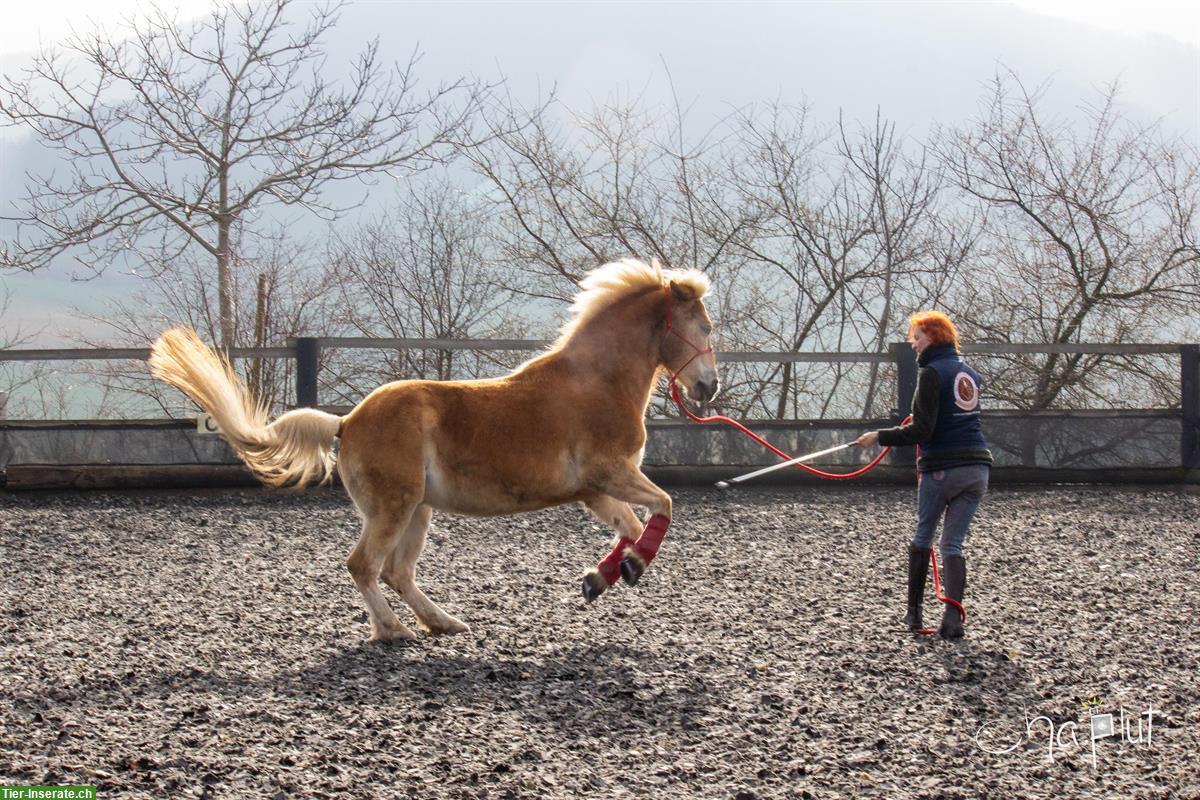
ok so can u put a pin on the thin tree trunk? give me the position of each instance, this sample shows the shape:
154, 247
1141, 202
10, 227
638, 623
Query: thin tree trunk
784, 391
885, 321
225, 285
260, 335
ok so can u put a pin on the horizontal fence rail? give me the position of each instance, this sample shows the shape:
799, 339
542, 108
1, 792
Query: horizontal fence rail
762, 356
305, 352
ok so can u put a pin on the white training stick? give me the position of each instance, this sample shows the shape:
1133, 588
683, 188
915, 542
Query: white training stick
773, 467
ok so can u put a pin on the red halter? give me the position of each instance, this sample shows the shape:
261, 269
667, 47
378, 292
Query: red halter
671, 329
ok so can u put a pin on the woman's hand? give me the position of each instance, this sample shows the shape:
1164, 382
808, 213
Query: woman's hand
868, 439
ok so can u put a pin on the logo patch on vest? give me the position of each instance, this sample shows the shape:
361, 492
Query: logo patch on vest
966, 393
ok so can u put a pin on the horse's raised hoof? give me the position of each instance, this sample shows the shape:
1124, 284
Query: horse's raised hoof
631, 570
593, 585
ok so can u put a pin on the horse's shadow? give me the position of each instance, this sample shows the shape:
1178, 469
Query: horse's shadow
578, 690
594, 688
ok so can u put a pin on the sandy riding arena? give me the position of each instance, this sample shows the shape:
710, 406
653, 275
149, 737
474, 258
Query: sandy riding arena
210, 645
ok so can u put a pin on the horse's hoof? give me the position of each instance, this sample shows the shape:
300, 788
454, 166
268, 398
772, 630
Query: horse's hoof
631, 570
593, 586
387, 639
385, 635
449, 626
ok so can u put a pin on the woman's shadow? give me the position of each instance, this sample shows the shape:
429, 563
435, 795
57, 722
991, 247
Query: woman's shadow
982, 676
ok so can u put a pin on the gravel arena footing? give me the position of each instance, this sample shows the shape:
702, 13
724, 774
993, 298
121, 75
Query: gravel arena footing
211, 645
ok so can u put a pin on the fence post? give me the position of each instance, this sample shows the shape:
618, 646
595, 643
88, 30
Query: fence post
3, 405
906, 386
308, 350
1189, 397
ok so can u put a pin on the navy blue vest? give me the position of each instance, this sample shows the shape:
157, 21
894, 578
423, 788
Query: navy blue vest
958, 421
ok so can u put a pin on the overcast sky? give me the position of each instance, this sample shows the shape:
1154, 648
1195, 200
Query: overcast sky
27, 23
1176, 19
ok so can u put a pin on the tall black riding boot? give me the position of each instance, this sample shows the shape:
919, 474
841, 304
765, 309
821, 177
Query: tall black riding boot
954, 581
918, 569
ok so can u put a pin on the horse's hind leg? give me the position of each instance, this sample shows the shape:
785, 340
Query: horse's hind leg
381, 530
400, 573
620, 517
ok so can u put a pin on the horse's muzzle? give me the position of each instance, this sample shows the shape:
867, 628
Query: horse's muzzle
705, 391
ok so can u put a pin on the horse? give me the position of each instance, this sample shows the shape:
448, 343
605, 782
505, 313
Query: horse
567, 426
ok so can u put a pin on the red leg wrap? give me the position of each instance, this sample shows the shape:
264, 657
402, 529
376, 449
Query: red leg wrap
609, 567
651, 539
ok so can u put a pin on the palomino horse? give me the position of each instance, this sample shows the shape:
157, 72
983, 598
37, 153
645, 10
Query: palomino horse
566, 426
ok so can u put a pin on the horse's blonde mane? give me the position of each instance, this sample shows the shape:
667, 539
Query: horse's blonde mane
606, 284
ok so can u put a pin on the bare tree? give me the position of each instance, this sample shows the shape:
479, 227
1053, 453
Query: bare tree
1091, 236
16, 376
617, 180
180, 133
920, 245
281, 290
425, 270
847, 229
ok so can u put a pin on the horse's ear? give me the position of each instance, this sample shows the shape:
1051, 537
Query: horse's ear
682, 292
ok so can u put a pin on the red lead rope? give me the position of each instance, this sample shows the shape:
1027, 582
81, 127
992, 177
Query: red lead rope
831, 475
937, 582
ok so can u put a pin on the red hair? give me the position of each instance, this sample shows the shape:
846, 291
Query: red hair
936, 325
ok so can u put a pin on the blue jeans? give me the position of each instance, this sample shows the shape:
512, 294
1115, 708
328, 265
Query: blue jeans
955, 491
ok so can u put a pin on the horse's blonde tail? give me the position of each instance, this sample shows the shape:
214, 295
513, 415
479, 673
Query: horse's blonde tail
294, 450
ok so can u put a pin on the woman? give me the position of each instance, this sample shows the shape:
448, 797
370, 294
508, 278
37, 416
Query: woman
953, 466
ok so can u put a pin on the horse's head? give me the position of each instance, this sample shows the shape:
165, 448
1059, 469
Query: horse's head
687, 342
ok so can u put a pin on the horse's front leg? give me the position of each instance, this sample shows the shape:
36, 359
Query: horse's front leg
629, 485
620, 517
